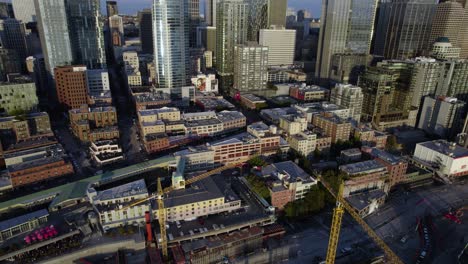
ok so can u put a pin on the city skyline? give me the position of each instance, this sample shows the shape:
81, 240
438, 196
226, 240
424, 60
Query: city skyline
131, 7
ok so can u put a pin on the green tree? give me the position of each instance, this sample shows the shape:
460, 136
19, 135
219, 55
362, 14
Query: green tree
256, 161
392, 143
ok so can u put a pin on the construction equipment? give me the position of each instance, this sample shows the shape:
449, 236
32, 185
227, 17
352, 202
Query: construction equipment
159, 196
336, 225
335, 229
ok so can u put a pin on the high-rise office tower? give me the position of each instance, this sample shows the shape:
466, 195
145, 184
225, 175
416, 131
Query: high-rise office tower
146, 31
12, 36
361, 25
112, 8
447, 22
263, 14
86, 32
210, 12
171, 44
194, 21
257, 18
425, 75
54, 34
442, 116
281, 43
24, 10
9, 63
250, 67
387, 95
231, 29
71, 86
404, 28
333, 34
455, 80
6, 10
116, 30
277, 13
303, 14
348, 96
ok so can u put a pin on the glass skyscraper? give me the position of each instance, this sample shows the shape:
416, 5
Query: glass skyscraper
86, 32
54, 35
361, 25
171, 43
404, 28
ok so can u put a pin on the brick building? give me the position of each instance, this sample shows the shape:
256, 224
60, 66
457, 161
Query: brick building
96, 123
396, 166
333, 126
156, 142
71, 85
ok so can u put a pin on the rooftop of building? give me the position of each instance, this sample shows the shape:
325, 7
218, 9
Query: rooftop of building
193, 150
93, 110
385, 156
105, 129
332, 118
367, 166
35, 163
154, 136
155, 111
123, 191
202, 122
225, 115
209, 114
53, 149
308, 88
363, 200
101, 143
213, 102
19, 220
318, 107
222, 240
351, 151
253, 98
446, 148
199, 191
17, 79
244, 138
30, 143
151, 97
275, 113
291, 171
153, 123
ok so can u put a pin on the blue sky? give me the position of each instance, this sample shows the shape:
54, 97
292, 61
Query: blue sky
132, 6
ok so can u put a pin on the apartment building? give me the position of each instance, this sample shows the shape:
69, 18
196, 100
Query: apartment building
396, 166
311, 109
370, 137
335, 127
293, 124
109, 204
251, 101
197, 158
232, 120
304, 143
155, 142
37, 165
311, 93
105, 152
71, 86
95, 123
367, 187
288, 179
18, 95
204, 127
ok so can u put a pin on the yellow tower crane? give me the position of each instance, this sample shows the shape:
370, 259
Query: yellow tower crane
159, 196
338, 212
